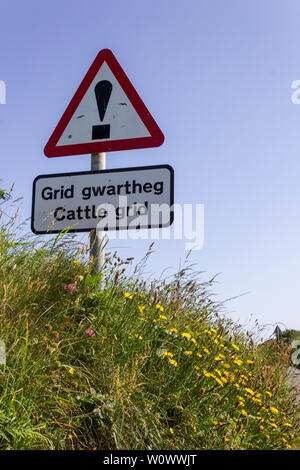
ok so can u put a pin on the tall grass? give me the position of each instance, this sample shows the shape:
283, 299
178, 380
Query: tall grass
139, 365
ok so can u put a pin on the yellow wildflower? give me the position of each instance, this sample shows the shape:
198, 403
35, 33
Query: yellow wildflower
274, 410
168, 354
173, 330
218, 380
71, 371
235, 347
218, 358
159, 307
257, 400
269, 393
162, 317
186, 335
238, 362
244, 412
173, 362
188, 353
128, 295
207, 374
171, 430
141, 308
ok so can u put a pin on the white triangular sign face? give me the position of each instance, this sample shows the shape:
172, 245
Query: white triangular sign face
105, 114
120, 115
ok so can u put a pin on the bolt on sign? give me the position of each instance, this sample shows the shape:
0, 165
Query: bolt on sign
126, 198
105, 114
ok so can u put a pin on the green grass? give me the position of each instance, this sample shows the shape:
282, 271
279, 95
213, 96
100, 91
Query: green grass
162, 368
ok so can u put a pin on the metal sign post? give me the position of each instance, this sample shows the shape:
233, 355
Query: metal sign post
97, 237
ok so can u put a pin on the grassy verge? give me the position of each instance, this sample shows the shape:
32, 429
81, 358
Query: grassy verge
137, 366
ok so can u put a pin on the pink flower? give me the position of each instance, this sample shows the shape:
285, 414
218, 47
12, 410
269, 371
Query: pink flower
90, 332
71, 288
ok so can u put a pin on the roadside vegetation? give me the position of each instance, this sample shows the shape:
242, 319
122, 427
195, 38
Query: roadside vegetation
140, 365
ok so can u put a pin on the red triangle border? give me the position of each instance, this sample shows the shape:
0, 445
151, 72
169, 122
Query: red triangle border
155, 139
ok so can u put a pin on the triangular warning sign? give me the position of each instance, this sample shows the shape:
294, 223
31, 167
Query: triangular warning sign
105, 114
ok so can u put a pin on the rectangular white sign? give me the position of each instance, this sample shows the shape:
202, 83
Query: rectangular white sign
126, 198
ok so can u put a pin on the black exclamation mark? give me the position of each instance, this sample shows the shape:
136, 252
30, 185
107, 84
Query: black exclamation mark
102, 91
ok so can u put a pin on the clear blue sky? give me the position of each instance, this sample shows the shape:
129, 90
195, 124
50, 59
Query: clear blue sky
217, 78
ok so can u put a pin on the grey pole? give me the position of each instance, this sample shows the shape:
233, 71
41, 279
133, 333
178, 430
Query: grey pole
97, 251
